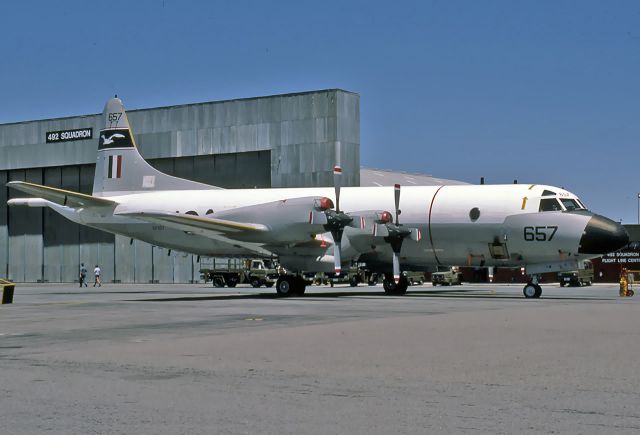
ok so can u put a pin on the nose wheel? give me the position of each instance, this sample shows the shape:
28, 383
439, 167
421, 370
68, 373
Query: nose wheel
532, 290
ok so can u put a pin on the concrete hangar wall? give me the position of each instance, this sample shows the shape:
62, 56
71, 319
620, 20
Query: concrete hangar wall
276, 141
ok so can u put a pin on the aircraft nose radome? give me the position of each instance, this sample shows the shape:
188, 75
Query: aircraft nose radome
602, 236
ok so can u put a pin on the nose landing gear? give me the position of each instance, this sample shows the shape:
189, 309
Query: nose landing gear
532, 289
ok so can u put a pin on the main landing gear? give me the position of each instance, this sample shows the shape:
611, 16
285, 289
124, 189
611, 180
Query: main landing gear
393, 289
290, 285
532, 289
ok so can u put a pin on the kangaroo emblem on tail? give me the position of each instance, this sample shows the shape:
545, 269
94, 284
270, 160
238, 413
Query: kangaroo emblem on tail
110, 139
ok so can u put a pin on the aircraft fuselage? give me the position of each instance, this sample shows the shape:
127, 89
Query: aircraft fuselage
476, 225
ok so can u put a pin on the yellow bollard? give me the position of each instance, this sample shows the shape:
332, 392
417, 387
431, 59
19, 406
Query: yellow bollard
625, 290
7, 288
626, 281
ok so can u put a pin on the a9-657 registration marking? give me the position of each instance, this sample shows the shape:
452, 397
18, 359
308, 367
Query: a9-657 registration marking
540, 234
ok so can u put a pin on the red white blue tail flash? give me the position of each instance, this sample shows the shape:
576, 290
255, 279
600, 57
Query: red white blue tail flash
114, 166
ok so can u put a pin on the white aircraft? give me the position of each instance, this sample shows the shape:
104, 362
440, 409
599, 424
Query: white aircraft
541, 228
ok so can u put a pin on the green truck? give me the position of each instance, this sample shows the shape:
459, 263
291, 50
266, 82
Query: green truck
447, 277
231, 272
577, 278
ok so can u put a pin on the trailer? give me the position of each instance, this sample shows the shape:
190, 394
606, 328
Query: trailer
356, 274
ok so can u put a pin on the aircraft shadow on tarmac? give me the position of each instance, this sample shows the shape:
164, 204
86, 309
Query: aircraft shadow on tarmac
426, 294
106, 291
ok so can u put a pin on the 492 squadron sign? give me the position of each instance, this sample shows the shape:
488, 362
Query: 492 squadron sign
67, 135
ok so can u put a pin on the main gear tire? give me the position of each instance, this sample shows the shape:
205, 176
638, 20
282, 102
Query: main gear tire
393, 289
284, 286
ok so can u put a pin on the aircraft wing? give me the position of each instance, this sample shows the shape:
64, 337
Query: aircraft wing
63, 197
216, 229
187, 222
280, 222
286, 222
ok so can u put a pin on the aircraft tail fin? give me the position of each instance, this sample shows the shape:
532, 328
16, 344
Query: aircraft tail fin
120, 169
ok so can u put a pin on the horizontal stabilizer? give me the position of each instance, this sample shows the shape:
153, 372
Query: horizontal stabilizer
30, 202
198, 224
63, 197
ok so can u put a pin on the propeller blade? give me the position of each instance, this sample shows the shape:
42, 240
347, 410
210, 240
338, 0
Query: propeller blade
416, 234
396, 268
337, 182
396, 189
336, 257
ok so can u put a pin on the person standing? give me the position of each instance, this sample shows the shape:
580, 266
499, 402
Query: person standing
96, 274
83, 275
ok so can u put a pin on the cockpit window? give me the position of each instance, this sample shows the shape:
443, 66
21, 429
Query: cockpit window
548, 193
581, 204
550, 204
570, 204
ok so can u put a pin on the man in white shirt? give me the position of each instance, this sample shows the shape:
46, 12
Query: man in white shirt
96, 273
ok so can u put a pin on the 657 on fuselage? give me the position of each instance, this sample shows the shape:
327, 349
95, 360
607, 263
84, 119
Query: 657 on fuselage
540, 234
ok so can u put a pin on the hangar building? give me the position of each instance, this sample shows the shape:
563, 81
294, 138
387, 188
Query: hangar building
276, 141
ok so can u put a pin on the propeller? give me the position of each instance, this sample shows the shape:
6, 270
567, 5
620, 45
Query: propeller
383, 226
397, 233
396, 194
337, 220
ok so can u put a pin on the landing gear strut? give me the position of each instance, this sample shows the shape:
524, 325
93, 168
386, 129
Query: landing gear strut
393, 289
532, 289
290, 285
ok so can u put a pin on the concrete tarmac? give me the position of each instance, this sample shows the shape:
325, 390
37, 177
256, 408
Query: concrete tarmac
194, 359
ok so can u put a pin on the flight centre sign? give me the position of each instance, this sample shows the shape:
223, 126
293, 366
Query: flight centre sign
68, 135
622, 257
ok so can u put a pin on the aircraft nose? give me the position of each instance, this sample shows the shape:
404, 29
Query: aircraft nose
602, 235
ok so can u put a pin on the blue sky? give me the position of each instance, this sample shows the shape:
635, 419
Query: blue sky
547, 92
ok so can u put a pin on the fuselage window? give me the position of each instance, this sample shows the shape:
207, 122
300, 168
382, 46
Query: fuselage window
570, 204
549, 204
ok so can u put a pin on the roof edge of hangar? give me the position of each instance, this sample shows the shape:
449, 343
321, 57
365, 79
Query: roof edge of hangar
197, 103
387, 177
